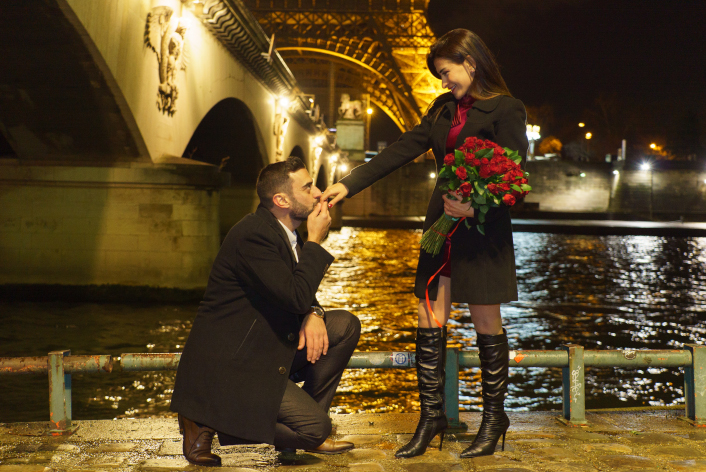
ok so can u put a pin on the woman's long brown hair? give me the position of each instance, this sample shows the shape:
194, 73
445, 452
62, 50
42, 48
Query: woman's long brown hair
457, 46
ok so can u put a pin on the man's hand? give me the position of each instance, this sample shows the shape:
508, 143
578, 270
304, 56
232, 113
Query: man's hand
318, 222
338, 191
313, 335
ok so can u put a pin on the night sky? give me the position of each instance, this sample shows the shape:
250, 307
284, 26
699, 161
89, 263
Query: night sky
643, 59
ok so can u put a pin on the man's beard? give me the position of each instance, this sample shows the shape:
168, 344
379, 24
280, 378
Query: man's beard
299, 211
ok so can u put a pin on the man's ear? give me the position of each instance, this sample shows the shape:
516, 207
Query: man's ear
280, 200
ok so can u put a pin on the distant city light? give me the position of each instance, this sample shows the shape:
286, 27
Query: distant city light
615, 172
653, 146
581, 125
582, 174
533, 132
589, 135
343, 168
432, 175
645, 166
370, 111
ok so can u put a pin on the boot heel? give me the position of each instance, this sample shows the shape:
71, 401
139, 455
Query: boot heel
503, 446
441, 439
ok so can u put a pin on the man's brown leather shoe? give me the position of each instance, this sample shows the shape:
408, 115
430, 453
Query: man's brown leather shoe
331, 446
197, 443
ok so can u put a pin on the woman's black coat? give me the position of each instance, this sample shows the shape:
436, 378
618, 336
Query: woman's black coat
482, 267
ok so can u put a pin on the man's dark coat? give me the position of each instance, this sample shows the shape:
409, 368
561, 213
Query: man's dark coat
482, 267
236, 362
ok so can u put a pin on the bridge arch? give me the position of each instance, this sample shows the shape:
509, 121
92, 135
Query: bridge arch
228, 136
297, 151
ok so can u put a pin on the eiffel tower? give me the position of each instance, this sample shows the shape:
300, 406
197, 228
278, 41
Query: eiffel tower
376, 46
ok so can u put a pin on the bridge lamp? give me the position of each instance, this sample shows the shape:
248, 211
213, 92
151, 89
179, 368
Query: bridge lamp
581, 125
653, 146
333, 159
319, 140
589, 135
283, 102
369, 111
432, 175
645, 166
343, 168
616, 172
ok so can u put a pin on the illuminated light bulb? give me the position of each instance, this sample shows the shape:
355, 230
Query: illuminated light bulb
653, 146
432, 175
589, 135
319, 140
645, 166
582, 174
370, 111
343, 168
615, 172
581, 125
284, 102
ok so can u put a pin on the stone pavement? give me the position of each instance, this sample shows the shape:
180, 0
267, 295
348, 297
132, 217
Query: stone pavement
613, 441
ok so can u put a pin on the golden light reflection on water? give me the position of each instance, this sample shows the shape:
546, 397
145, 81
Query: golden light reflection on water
603, 292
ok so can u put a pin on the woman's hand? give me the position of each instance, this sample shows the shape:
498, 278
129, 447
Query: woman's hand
337, 191
456, 209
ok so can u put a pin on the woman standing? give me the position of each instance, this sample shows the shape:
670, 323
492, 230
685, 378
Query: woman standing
480, 269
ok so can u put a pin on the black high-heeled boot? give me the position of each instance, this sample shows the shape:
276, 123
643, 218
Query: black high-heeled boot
431, 364
494, 363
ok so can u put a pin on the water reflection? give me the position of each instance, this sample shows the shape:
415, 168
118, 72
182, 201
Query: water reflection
603, 292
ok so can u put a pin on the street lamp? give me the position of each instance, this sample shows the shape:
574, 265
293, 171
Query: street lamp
589, 135
581, 125
532, 136
653, 146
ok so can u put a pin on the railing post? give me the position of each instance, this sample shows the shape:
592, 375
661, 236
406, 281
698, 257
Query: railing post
59, 394
695, 385
573, 387
451, 389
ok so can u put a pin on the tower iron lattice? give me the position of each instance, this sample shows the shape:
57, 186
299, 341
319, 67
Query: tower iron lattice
379, 46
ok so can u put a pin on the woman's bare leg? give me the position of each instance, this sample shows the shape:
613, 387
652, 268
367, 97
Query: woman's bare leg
441, 306
486, 318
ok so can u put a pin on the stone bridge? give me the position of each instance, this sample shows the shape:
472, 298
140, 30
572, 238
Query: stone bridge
131, 135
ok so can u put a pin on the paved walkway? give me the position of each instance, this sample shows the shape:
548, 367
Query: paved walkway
536, 441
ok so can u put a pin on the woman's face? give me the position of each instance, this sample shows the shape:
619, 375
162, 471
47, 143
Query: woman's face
455, 77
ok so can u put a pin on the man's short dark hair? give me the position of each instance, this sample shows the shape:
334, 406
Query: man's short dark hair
274, 178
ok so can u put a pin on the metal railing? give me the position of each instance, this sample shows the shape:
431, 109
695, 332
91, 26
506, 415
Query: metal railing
571, 358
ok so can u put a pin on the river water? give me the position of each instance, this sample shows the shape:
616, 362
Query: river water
602, 292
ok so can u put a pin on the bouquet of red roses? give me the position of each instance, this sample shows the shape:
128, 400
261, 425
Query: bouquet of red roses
480, 172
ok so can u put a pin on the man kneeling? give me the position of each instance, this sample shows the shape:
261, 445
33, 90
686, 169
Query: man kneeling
260, 329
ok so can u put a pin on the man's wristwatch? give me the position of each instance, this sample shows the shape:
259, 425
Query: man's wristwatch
318, 311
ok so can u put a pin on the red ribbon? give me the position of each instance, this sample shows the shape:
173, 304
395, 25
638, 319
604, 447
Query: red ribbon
437, 273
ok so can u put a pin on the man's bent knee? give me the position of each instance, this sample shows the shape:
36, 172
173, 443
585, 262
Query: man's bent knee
315, 435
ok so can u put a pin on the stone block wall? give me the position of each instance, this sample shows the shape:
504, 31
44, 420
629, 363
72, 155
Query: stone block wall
142, 225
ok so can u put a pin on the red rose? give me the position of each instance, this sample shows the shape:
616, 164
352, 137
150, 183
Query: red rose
449, 159
508, 200
475, 162
492, 188
469, 158
461, 173
485, 172
465, 189
504, 187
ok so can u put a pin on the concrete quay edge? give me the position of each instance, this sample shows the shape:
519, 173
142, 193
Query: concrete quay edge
536, 441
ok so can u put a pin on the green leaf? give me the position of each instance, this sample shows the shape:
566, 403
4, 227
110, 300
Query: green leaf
479, 199
453, 186
516, 187
468, 225
481, 217
481, 229
517, 159
484, 153
525, 187
479, 189
460, 157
